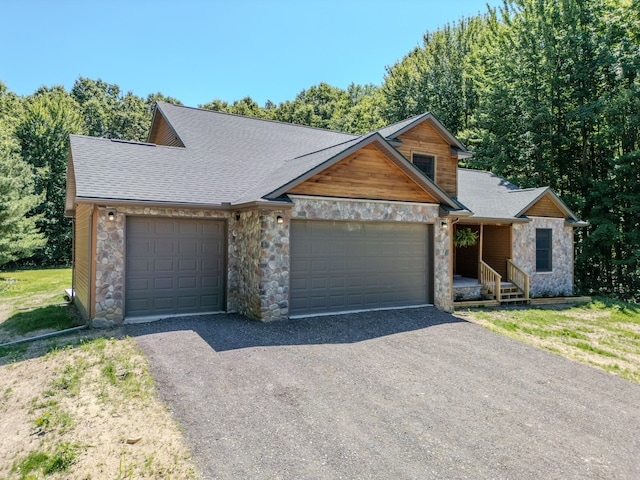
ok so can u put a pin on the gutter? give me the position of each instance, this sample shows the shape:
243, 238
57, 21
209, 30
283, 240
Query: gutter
225, 206
45, 335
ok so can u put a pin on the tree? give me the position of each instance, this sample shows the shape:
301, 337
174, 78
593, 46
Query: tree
43, 133
436, 77
246, 106
19, 235
110, 113
558, 102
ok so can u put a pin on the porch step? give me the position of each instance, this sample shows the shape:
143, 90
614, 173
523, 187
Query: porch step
510, 293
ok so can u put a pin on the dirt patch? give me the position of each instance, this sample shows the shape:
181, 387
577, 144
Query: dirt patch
95, 400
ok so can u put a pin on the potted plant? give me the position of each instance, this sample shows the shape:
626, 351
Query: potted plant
465, 237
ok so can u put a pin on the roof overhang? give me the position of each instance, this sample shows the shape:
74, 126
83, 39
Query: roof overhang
492, 220
257, 205
576, 224
391, 153
440, 128
569, 215
70, 192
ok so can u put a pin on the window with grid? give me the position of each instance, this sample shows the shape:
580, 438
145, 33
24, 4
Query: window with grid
543, 250
426, 164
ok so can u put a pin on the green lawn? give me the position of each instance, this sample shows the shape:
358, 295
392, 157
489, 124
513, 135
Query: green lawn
602, 333
33, 301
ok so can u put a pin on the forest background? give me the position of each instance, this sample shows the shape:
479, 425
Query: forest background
544, 92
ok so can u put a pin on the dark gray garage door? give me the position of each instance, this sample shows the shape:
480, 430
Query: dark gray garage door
174, 266
346, 266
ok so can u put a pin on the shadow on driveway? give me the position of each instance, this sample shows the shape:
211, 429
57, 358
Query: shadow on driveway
413, 393
230, 332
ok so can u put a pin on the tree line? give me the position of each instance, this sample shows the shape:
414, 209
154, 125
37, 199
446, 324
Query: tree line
544, 92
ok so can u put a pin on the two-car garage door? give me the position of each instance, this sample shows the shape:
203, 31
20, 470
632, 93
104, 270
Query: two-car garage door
177, 266
174, 266
347, 266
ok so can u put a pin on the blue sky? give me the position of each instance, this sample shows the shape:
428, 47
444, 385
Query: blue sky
197, 50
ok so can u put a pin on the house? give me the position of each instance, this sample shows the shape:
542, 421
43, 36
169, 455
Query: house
219, 212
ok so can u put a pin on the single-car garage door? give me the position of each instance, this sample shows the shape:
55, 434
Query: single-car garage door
174, 266
346, 266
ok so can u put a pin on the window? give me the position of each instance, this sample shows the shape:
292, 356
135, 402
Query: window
543, 250
426, 164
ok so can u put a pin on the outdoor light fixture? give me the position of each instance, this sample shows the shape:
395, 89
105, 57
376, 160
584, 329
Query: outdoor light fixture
444, 225
279, 219
237, 215
111, 215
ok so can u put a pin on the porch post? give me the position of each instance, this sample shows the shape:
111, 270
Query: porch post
480, 248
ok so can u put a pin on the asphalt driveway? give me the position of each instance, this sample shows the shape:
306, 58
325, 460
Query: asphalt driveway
411, 393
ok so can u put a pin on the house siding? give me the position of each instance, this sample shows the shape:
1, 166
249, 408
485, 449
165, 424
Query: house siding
365, 174
424, 139
82, 259
558, 282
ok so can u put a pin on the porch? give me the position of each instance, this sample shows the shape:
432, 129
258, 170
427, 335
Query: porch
484, 273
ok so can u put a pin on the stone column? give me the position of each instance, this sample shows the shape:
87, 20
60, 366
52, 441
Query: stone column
274, 265
443, 274
109, 274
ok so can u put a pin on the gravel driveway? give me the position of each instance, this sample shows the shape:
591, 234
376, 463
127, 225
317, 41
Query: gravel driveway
399, 394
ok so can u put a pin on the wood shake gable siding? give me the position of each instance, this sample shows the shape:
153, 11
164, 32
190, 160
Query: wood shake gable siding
365, 174
425, 140
545, 207
162, 134
82, 259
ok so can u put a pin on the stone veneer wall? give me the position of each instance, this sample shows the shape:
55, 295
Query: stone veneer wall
338, 209
244, 248
110, 259
558, 282
258, 252
109, 273
273, 264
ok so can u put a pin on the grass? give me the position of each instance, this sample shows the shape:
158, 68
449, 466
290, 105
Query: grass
603, 333
26, 288
33, 301
48, 463
78, 392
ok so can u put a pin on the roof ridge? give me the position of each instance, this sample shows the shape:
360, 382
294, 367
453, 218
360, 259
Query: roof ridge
530, 189
409, 119
279, 122
132, 142
331, 146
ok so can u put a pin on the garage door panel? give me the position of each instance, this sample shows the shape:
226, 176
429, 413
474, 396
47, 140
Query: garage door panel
174, 266
137, 284
187, 301
163, 283
162, 246
187, 265
210, 282
341, 266
163, 303
162, 226
209, 301
188, 247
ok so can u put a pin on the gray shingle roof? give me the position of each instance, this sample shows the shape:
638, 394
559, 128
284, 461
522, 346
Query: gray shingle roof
489, 196
235, 159
226, 159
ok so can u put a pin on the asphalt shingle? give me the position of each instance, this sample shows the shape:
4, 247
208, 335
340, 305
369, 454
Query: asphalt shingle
490, 196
